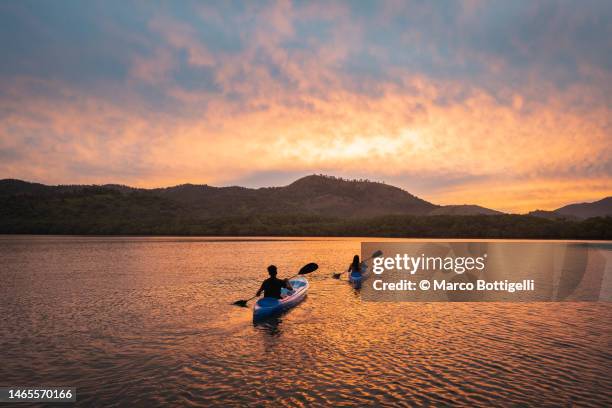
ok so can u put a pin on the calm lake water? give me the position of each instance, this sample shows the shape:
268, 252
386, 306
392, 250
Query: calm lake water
148, 321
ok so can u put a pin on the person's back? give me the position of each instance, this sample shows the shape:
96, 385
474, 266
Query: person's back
355, 266
272, 286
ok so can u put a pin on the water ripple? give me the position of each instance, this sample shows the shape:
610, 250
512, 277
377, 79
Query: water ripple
151, 324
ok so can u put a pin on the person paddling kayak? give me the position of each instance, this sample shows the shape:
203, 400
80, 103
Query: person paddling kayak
356, 272
272, 286
355, 266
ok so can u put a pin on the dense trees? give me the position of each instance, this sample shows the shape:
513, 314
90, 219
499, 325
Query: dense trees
117, 210
111, 212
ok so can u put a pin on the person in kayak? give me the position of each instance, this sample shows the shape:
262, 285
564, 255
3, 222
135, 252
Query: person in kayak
355, 265
272, 286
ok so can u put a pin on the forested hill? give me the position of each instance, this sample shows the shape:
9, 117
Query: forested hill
313, 205
313, 195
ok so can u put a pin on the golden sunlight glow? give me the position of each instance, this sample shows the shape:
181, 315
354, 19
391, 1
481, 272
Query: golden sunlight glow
269, 112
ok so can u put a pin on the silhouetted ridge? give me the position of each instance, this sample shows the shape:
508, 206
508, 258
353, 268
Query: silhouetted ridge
337, 196
14, 186
311, 206
586, 210
601, 208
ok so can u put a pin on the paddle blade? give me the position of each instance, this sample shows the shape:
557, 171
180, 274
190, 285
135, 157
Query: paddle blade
308, 268
377, 254
241, 303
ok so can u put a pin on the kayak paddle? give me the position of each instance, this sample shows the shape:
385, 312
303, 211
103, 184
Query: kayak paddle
374, 255
308, 268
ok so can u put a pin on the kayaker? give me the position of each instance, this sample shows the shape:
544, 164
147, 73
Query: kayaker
272, 286
355, 266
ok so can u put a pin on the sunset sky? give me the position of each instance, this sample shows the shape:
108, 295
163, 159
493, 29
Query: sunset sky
505, 104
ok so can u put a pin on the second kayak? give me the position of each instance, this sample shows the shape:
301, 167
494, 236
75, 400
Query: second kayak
266, 307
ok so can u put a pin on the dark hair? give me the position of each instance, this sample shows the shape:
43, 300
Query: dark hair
272, 270
355, 265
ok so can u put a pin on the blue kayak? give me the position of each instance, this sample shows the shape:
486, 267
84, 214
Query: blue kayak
356, 278
266, 307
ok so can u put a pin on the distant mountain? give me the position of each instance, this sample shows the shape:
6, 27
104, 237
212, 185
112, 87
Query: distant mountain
311, 206
464, 209
599, 208
315, 194
320, 195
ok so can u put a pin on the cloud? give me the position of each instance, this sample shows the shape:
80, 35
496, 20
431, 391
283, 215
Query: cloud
483, 102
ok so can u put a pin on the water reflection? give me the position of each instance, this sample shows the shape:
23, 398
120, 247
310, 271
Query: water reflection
149, 322
270, 326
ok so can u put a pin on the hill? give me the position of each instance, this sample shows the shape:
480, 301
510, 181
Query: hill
314, 195
581, 211
10, 187
311, 206
599, 208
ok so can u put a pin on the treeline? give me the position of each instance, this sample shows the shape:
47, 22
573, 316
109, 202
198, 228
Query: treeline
117, 214
405, 226
108, 211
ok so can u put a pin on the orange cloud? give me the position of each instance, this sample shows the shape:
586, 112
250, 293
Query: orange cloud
269, 108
